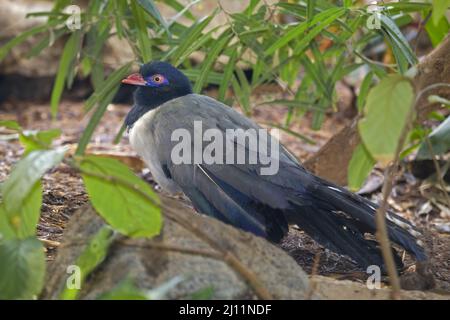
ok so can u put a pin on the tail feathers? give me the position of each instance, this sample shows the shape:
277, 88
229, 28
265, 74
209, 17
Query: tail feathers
363, 212
339, 234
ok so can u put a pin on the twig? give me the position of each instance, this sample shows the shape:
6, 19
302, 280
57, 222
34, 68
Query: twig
380, 216
312, 282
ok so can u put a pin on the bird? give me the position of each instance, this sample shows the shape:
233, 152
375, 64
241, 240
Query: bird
237, 193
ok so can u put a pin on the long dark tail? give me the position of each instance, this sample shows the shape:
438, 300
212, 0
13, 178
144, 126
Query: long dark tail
338, 219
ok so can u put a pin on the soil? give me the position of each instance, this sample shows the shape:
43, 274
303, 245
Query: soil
64, 192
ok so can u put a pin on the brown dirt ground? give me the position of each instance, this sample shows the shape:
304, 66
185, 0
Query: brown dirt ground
64, 193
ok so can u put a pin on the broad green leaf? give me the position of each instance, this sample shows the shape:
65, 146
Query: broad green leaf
91, 257
387, 106
439, 139
10, 124
110, 186
68, 55
437, 32
38, 141
22, 223
359, 167
6, 230
22, 268
439, 9
16, 189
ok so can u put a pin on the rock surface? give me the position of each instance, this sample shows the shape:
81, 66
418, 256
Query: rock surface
153, 262
151, 267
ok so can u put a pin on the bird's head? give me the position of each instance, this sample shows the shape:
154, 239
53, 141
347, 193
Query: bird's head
157, 83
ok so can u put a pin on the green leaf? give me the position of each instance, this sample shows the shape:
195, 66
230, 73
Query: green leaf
112, 190
387, 106
310, 5
10, 124
226, 77
439, 9
364, 90
94, 121
125, 290
210, 59
91, 257
189, 37
21, 38
22, 223
17, 188
322, 20
403, 6
359, 167
41, 140
144, 42
399, 44
152, 9
108, 86
68, 55
293, 133
6, 230
439, 140
178, 7
203, 294
22, 268
437, 32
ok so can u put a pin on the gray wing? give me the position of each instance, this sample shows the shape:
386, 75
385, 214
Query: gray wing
234, 193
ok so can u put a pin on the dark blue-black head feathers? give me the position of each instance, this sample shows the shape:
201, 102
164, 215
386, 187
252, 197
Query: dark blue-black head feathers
157, 82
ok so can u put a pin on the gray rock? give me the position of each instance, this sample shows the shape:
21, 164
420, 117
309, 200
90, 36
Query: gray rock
150, 267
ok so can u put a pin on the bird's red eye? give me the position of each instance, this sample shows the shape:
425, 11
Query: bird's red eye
157, 78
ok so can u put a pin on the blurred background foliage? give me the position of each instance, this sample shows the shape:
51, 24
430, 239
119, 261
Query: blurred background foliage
319, 41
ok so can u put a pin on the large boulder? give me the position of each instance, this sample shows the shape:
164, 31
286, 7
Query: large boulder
152, 262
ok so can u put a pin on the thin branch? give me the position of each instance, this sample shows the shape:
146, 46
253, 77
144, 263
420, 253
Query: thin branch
380, 216
312, 282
